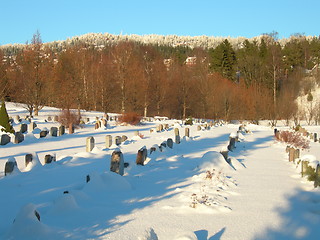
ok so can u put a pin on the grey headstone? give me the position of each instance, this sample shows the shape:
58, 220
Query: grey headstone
163, 144
28, 159
117, 162
108, 141
198, 128
62, 130
141, 156
291, 154
232, 144
18, 137
23, 128
97, 125
177, 136
54, 131
117, 140
153, 149
49, 119
304, 167
225, 154
170, 143
49, 158
89, 144
9, 167
56, 118
5, 139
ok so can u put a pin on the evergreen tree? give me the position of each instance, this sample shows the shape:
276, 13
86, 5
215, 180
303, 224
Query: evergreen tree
5, 125
223, 60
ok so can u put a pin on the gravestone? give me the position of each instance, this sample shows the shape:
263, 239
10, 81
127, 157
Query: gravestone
49, 158
28, 159
232, 144
177, 136
56, 118
225, 154
163, 145
54, 131
153, 149
5, 139
117, 162
141, 156
104, 122
17, 118
124, 138
31, 126
187, 132
170, 143
166, 126
71, 128
62, 130
315, 137
275, 131
23, 128
43, 133
117, 140
198, 128
96, 125
11, 164
18, 137
89, 144
317, 177
304, 167
158, 129
296, 154
291, 154
87, 178
136, 133
108, 141
49, 119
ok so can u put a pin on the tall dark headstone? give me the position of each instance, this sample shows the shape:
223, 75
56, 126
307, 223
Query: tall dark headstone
117, 162
141, 156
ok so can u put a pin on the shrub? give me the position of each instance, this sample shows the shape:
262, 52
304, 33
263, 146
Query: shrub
69, 118
294, 139
5, 125
189, 121
131, 118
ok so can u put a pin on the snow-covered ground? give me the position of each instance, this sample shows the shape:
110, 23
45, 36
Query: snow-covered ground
188, 192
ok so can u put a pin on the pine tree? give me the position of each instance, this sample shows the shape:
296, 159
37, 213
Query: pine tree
5, 125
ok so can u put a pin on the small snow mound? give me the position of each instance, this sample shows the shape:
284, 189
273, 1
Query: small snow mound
65, 203
213, 160
233, 134
149, 235
185, 236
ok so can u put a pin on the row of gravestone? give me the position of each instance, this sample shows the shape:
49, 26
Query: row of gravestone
11, 164
294, 156
19, 137
233, 138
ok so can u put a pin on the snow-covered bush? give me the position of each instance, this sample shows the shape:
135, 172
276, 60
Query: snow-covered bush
131, 118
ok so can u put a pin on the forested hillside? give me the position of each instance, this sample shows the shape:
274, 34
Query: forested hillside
178, 77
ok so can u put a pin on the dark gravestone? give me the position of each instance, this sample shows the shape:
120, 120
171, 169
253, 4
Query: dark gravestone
275, 131
163, 144
87, 178
43, 133
23, 128
117, 162
315, 137
96, 126
5, 139
49, 158
28, 159
54, 131
153, 149
232, 144
18, 137
62, 130
198, 128
170, 143
225, 154
117, 140
104, 122
317, 177
141, 156
9, 167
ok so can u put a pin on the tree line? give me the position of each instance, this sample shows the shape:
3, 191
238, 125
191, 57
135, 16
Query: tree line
259, 80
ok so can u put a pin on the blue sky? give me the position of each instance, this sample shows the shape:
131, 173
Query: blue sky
60, 19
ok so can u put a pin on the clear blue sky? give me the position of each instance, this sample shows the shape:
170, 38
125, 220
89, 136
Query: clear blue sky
60, 19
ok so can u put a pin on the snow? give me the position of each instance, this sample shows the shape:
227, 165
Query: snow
187, 192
